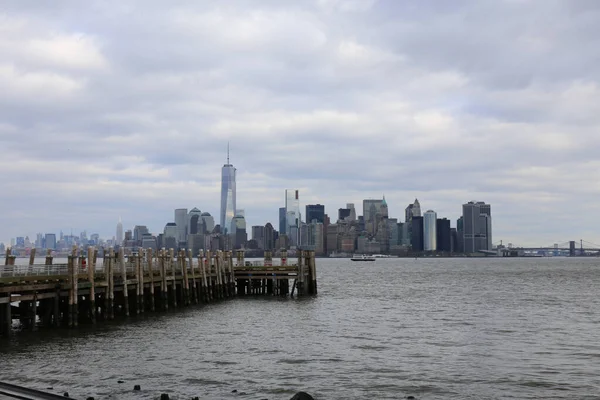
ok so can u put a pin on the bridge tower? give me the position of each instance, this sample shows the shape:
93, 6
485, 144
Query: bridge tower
572, 248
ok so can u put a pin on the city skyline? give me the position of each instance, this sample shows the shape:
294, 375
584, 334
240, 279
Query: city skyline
377, 97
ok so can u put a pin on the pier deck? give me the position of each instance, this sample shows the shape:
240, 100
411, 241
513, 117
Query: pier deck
87, 289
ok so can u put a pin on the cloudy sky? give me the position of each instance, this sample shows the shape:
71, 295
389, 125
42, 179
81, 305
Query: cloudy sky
125, 108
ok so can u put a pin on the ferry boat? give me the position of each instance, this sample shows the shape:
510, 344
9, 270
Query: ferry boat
362, 257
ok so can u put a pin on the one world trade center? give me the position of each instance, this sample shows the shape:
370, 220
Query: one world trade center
227, 195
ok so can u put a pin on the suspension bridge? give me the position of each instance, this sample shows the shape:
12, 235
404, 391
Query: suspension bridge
571, 248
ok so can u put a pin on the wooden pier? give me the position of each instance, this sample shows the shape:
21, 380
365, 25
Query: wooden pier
88, 289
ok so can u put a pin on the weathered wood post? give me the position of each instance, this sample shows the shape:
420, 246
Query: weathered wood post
242, 284
163, 276
91, 279
313, 274
218, 270
173, 277
48, 257
209, 287
7, 255
123, 268
300, 271
73, 266
225, 273
232, 274
111, 284
150, 277
139, 278
283, 258
185, 286
194, 288
32, 257
202, 263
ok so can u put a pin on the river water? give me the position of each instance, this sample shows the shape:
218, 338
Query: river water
433, 329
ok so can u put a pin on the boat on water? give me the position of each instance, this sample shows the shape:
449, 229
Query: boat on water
362, 257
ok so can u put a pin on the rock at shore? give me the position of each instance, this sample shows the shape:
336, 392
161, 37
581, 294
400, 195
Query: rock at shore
302, 396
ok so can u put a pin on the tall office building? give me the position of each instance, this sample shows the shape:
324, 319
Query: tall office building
315, 211
194, 222
477, 226
258, 234
208, 222
292, 216
269, 237
429, 230
228, 203
170, 236
444, 235
352, 216
343, 214
50, 241
238, 233
120, 232
374, 211
417, 234
138, 232
181, 217
282, 220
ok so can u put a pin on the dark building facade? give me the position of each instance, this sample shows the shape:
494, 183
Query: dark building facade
269, 237
417, 234
282, 220
444, 237
343, 213
315, 211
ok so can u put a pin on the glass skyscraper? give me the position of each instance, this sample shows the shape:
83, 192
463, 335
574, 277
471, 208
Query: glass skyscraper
430, 231
227, 196
292, 214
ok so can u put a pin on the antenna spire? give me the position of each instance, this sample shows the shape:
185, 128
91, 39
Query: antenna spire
228, 153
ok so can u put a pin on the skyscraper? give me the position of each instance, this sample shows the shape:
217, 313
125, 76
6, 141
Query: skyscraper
417, 234
292, 216
373, 212
120, 232
181, 219
430, 230
282, 220
444, 235
352, 216
477, 226
194, 221
315, 211
228, 203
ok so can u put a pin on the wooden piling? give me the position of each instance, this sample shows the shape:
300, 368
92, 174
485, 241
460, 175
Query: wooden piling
203, 265
301, 270
151, 277
185, 287
208, 265
194, 288
32, 256
218, 271
91, 279
163, 275
123, 269
313, 274
48, 257
173, 282
111, 285
139, 299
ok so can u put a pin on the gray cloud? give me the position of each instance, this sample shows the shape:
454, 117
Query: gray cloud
109, 110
